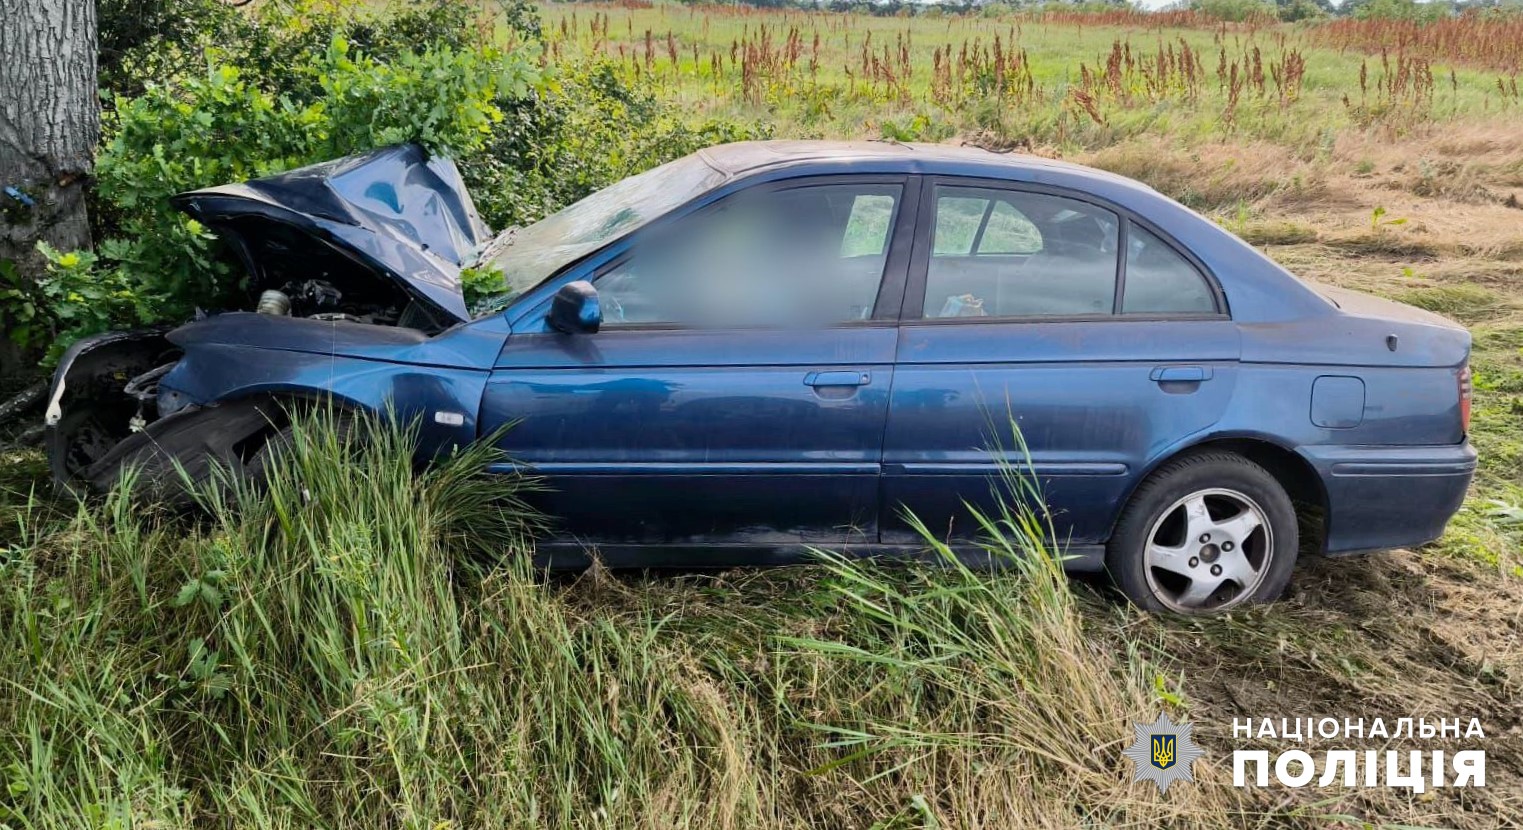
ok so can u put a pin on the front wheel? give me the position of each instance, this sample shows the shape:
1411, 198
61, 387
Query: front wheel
1203, 534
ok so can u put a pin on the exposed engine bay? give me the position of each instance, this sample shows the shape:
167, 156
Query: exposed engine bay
108, 388
294, 275
321, 300
376, 240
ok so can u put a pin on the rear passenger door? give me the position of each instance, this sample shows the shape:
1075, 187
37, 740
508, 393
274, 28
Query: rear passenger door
1056, 313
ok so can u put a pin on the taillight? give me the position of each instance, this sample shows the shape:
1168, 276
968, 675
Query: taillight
1465, 390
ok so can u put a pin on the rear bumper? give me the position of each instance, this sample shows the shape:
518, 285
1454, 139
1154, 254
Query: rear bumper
1390, 497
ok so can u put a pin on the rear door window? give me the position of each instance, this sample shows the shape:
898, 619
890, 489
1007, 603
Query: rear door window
1012, 253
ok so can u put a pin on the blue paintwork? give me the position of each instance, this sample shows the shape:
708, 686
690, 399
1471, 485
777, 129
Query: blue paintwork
702, 436
1337, 402
769, 439
402, 213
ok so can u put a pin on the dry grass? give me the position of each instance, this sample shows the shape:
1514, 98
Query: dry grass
1494, 41
1216, 175
1429, 200
1393, 635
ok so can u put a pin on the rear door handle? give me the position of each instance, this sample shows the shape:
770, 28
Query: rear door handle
1180, 374
839, 378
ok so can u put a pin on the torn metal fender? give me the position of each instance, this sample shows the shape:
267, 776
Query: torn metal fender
444, 402
88, 410
110, 351
437, 382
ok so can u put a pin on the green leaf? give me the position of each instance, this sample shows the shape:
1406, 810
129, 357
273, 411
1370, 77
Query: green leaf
187, 594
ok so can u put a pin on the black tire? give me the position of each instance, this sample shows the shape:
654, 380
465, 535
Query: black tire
257, 471
182, 453
1158, 560
281, 440
78, 440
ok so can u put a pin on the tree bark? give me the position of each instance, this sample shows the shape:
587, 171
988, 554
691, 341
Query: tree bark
49, 125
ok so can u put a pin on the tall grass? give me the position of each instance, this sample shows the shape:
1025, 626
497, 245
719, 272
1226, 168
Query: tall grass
985, 692
1493, 41
363, 644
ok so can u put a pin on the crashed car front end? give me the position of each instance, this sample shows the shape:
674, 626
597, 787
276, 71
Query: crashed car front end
212, 392
357, 259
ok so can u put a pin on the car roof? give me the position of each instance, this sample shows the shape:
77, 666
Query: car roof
746, 157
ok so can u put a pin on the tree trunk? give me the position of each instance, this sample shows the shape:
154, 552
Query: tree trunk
49, 125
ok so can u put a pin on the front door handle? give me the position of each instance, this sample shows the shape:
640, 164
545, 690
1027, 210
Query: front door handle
1180, 374
840, 378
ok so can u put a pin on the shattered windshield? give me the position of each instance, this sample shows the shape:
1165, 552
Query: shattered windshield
526, 256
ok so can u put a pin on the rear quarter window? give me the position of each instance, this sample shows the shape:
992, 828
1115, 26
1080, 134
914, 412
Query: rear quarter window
1161, 281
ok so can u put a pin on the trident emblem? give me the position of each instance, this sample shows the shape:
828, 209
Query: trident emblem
1163, 751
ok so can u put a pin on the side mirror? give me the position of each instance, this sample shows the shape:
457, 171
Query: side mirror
575, 310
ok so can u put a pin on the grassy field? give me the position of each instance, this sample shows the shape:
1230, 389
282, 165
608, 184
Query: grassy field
343, 652
1052, 82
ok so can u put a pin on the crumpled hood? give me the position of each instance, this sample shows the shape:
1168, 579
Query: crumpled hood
399, 212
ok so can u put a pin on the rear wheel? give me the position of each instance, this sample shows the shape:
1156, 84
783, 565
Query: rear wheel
1203, 534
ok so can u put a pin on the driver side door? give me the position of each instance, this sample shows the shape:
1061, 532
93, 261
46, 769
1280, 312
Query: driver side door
736, 397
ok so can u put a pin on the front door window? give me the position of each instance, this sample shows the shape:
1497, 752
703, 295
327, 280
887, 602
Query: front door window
802, 257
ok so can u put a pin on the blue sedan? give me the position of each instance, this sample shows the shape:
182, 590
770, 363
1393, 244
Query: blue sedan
769, 346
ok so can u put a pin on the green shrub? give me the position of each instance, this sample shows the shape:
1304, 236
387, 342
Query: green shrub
220, 127
1236, 10
301, 81
1292, 11
151, 41
20, 303
140, 41
1400, 10
590, 126
199, 93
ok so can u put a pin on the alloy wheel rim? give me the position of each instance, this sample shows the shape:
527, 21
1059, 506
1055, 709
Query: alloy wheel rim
1208, 551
